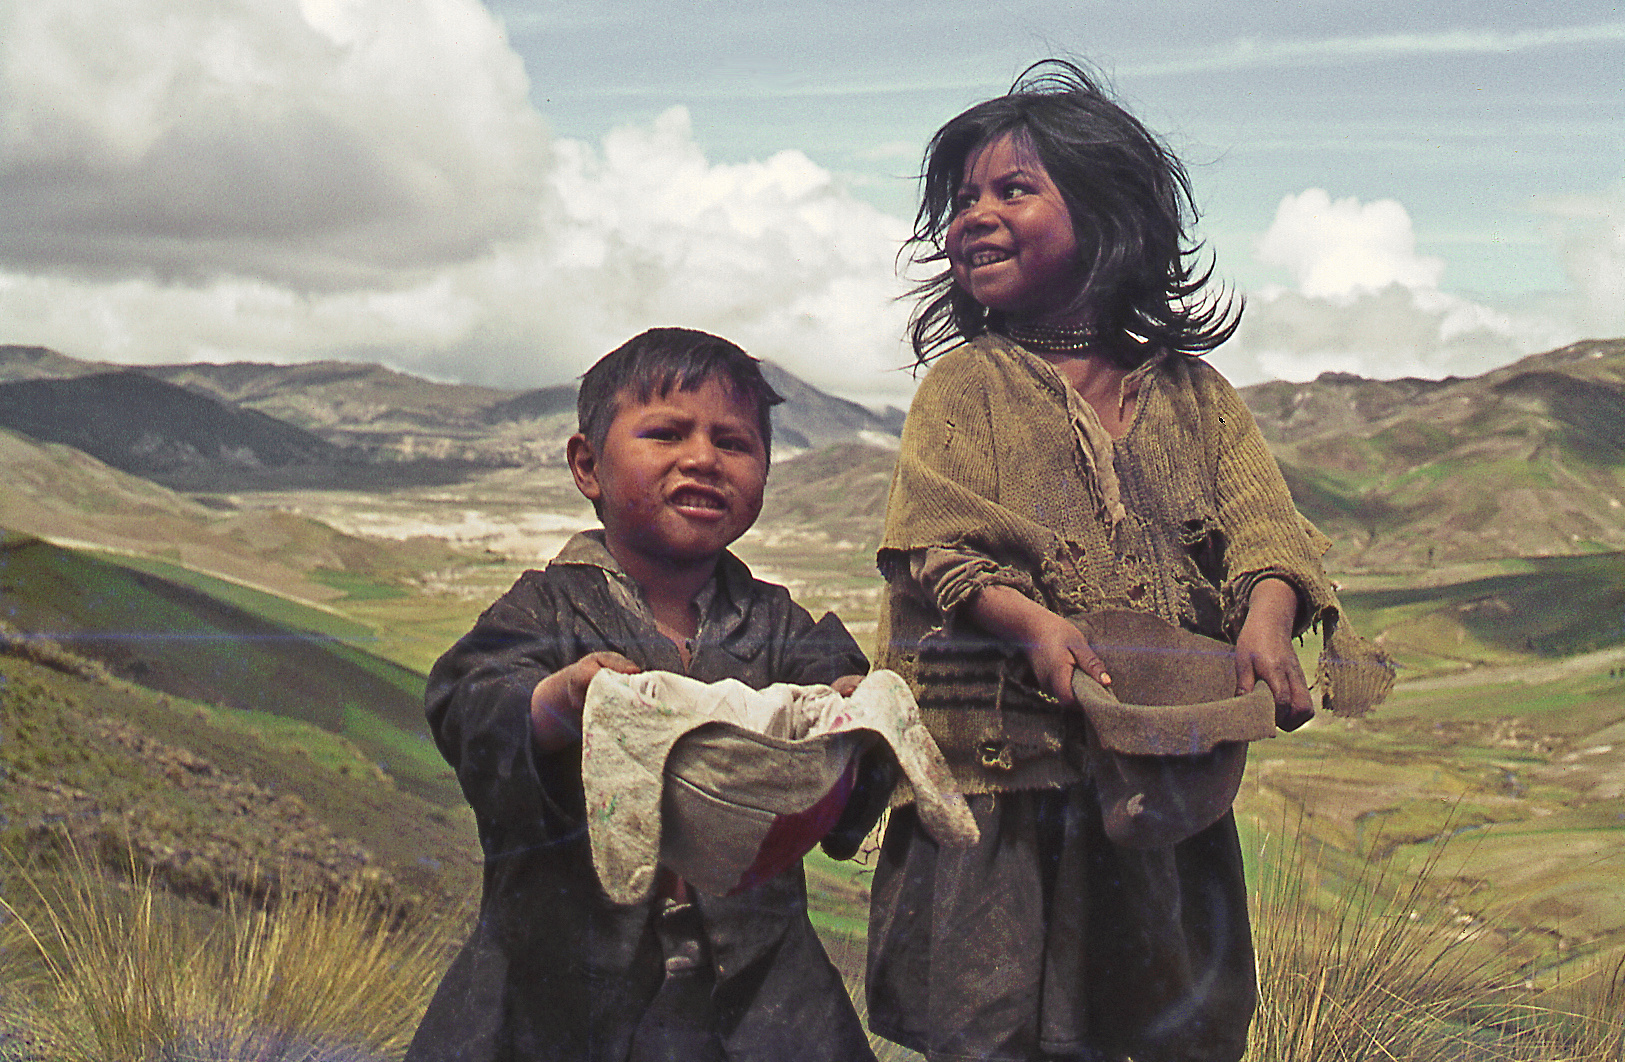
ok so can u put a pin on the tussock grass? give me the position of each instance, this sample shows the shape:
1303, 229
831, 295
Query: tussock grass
122, 972
1357, 963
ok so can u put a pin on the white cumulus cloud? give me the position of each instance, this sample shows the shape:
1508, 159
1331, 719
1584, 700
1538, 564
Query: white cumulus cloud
282, 180
1590, 235
1365, 301
1339, 250
318, 144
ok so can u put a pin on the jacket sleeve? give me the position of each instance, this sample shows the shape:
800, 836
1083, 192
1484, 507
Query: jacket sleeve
813, 653
478, 707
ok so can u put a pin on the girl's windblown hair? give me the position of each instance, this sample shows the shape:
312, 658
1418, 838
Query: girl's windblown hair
1130, 203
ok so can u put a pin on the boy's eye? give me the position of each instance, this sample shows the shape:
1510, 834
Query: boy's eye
737, 444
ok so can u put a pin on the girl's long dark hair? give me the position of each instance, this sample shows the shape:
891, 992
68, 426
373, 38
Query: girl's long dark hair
1131, 207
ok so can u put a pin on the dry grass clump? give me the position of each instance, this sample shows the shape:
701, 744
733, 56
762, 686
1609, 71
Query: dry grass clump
1584, 1018
122, 972
1355, 965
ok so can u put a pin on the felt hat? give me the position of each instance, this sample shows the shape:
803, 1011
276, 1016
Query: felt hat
741, 807
729, 786
1167, 742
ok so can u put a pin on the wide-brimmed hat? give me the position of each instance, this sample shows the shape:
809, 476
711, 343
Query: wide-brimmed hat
728, 786
1167, 743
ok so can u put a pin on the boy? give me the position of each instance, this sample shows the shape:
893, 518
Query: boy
673, 451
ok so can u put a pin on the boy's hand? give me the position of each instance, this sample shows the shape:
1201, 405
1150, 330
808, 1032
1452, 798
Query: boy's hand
557, 701
846, 685
1054, 646
1264, 651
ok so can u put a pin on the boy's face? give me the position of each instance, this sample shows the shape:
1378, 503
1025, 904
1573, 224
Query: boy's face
679, 477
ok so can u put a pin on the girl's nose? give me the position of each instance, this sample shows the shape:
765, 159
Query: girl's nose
978, 213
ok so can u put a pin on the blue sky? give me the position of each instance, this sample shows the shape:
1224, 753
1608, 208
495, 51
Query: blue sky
501, 192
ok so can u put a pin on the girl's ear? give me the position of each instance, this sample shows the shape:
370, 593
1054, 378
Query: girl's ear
583, 466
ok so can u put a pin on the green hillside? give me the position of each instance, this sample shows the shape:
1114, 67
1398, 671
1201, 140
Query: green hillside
1530, 610
193, 636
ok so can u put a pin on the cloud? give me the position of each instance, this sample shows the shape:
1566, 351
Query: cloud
1589, 232
1366, 302
1340, 250
1252, 53
284, 180
318, 144
773, 254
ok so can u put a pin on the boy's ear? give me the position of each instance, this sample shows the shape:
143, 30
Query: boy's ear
583, 466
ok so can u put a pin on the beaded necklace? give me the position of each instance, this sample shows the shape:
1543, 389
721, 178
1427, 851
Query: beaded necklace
1052, 337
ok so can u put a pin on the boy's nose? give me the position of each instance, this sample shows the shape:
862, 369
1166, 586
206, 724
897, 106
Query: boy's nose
699, 452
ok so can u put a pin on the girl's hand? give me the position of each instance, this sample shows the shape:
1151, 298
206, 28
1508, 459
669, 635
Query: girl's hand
557, 701
1054, 647
1264, 651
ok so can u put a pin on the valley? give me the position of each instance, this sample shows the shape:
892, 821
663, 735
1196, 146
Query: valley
225, 667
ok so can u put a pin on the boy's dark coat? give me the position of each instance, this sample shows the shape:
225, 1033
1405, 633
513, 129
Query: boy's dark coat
554, 970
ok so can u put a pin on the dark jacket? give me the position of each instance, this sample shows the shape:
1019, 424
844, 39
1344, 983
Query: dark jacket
554, 970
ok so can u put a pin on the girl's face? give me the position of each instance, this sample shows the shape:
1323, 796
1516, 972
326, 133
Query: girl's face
1010, 242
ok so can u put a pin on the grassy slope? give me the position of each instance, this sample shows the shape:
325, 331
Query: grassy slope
1526, 772
208, 793
195, 636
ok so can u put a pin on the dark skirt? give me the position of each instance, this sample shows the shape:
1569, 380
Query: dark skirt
1046, 940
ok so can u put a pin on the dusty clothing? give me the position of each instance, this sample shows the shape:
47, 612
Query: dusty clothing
1045, 936
554, 970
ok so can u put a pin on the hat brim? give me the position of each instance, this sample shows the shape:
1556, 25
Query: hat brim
1167, 744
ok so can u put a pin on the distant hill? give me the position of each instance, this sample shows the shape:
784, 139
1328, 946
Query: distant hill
62, 494
150, 428
810, 419
42, 363
387, 418
1525, 461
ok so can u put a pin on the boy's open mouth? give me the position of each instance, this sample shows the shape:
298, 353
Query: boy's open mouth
699, 498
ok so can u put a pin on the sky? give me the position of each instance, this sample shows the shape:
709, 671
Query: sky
501, 192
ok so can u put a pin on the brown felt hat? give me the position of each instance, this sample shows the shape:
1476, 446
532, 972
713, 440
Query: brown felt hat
1167, 743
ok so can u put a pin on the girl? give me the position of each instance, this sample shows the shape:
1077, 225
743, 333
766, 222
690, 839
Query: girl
1072, 453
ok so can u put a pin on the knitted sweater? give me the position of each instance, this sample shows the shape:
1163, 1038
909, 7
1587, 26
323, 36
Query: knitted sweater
1180, 517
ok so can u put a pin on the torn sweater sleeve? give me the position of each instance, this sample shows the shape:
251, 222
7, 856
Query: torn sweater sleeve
948, 577
1266, 536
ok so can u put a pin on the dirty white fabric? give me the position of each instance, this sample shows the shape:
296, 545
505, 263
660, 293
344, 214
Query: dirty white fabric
791, 745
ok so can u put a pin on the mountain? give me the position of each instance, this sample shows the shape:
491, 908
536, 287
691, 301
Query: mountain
409, 429
810, 419
375, 411
1525, 461
42, 363
154, 429
1404, 475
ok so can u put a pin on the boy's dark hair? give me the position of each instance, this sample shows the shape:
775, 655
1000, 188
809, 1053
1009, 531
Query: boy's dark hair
1130, 203
654, 362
